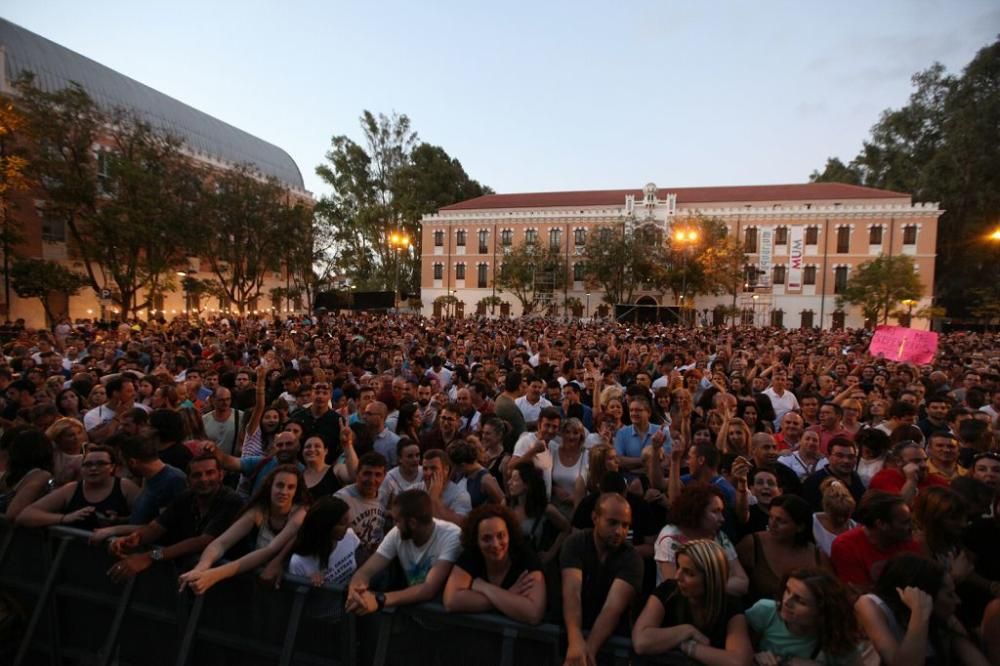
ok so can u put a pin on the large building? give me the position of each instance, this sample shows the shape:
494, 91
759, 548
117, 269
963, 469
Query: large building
802, 242
207, 140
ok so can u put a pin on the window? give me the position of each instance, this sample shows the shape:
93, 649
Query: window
746, 317
875, 235
778, 274
809, 275
481, 281
104, 172
812, 235
460, 237
530, 236
807, 319
439, 238
605, 235
438, 271
555, 238
750, 274
781, 236
843, 240
777, 318
53, 228
578, 271
459, 271
750, 240
484, 241
839, 279
580, 237
839, 317
910, 234
507, 237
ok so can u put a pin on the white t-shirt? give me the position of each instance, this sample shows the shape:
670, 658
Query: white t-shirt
782, 404
530, 411
394, 483
443, 546
339, 567
670, 540
565, 477
543, 460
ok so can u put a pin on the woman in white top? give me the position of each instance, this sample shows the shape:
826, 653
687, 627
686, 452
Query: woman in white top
276, 512
569, 463
835, 519
325, 548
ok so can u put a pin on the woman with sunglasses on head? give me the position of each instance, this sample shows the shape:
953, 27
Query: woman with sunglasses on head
694, 614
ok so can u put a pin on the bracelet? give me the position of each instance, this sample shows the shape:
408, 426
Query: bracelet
688, 647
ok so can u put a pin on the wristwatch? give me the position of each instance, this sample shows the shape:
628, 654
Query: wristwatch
156, 554
380, 600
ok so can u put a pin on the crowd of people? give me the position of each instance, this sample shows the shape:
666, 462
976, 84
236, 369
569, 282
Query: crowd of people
728, 495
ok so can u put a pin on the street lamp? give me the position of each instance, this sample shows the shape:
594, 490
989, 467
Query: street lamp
995, 236
398, 241
588, 305
685, 238
909, 303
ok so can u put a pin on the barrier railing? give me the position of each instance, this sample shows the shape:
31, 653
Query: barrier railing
73, 611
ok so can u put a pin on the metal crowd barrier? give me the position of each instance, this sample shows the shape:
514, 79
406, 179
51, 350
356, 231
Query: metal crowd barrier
73, 613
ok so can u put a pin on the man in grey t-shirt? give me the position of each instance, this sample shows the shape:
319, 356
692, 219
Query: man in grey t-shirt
368, 514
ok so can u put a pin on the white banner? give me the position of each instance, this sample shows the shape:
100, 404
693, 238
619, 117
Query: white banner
796, 252
765, 255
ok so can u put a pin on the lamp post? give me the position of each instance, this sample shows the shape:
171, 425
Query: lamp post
398, 242
686, 238
587, 313
909, 303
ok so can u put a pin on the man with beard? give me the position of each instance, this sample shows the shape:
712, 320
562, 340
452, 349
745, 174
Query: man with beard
284, 451
427, 407
368, 512
843, 460
425, 547
445, 431
601, 577
321, 420
186, 526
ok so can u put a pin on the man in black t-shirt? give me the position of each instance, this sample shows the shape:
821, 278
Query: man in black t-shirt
187, 525
601, 578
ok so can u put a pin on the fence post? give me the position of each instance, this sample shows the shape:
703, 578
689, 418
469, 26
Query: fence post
288, 649
40, 609
189, 631
104, 656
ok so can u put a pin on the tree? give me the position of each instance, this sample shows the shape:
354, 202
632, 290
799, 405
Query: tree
532, 273
13, 180
126, 208
712, 264
38, 278
249, 228
879, 285
943, 146
620, 263
383, 187
836, 171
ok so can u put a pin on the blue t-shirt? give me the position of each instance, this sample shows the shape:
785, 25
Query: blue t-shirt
629, 443
157, 492
719, 482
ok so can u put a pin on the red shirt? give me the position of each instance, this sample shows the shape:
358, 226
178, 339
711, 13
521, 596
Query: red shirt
857, 560
892, 481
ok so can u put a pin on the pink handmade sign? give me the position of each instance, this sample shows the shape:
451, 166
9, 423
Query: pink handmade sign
897, 343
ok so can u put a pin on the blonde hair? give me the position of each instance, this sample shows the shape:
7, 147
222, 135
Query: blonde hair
61, 426
710, 559
837, 498
608, 394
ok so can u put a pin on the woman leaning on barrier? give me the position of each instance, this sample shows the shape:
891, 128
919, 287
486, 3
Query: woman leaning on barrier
694, 614
99, 499
29, 470
497, 571
270, 520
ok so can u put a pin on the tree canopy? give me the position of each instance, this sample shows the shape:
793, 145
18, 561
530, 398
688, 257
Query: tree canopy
943, 146
879, 285
382, 186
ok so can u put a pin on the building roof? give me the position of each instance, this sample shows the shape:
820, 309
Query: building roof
685, 195
56, 66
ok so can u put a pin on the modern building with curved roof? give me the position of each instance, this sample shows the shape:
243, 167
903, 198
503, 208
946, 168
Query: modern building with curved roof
205, 139
209, 138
